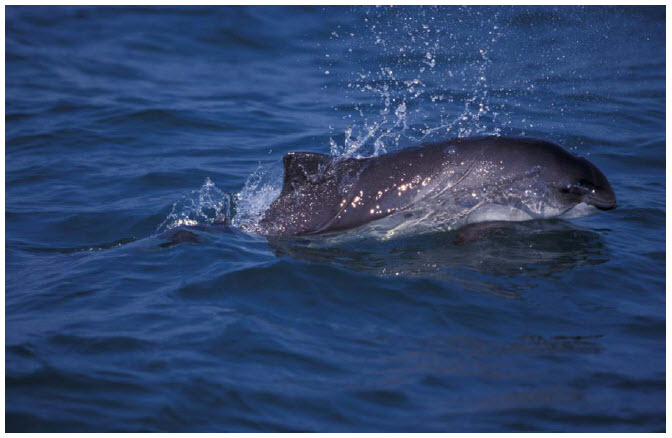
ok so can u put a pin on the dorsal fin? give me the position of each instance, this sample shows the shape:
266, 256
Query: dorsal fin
303, 168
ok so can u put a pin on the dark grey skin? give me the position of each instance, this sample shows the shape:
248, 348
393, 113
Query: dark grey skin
437, 186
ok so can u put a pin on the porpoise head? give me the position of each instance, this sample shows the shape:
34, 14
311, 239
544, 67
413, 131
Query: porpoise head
573, 186
581, 186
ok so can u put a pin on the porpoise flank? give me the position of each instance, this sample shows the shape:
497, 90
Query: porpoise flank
443, 185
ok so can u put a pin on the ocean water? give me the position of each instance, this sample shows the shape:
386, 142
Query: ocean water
122, 124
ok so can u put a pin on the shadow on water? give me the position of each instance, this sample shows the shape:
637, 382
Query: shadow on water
516, 250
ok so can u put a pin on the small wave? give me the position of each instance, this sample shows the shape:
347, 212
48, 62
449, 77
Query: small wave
207, 205
70, 250
210, 206
167, 119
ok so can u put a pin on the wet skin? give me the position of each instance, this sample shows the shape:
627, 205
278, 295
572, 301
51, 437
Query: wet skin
504, 178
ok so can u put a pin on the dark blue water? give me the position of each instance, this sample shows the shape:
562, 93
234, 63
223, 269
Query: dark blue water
115, 117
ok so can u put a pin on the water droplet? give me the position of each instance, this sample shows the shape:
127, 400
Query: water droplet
450, 150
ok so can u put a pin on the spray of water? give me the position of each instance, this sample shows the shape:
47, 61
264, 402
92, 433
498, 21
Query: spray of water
261, 188
411, 91
207, 205
426, 82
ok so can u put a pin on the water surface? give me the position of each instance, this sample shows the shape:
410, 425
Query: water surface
122, 123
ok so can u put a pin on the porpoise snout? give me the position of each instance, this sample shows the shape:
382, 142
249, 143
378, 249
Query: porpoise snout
598, 191
602, 196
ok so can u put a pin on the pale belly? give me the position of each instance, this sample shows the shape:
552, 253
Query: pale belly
423, 220
419, 221
498, 212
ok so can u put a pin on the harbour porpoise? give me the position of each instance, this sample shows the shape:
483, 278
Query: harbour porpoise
434, 186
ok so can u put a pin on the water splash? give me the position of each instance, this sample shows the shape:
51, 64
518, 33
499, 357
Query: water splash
260, 190
424, 83
206, 206
414, 94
